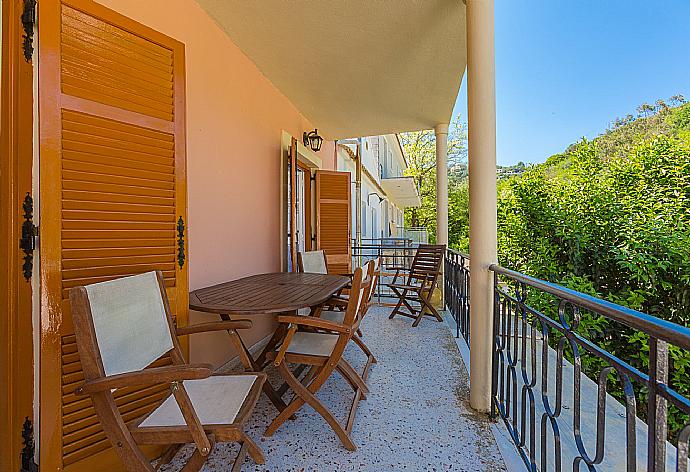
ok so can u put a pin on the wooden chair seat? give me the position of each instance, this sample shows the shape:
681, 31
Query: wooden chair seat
330, 315
216, 400
312, 344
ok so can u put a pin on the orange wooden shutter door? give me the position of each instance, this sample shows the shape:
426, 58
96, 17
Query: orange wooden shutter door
112, 173
333, 219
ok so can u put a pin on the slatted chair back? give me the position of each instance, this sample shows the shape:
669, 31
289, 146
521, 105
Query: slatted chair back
130, 322
426, 265
313, 262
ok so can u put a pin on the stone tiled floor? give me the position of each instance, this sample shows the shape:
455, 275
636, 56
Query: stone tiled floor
416, 418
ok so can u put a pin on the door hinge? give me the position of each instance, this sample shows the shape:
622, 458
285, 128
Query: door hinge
27, 243
29, 448
28, 22
180, 242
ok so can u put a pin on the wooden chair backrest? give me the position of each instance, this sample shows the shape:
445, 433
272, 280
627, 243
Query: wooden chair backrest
89, 305
123, 325
129, 322
312, 261
426, 264
376, 273
367, 286
361, 282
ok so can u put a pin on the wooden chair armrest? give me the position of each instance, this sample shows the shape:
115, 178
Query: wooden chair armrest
154, 375
214, 326
315, 323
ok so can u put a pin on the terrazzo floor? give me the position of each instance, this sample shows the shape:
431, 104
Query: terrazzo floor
416, 417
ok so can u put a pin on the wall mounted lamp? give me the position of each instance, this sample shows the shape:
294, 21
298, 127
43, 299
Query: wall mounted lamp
312, 139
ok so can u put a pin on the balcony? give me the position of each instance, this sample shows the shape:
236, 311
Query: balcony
548, 412
416, 417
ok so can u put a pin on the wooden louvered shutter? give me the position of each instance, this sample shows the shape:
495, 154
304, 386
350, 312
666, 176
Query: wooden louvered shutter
333, 219
112, 190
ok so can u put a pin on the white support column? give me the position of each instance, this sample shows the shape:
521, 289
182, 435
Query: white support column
441, 131
481, 107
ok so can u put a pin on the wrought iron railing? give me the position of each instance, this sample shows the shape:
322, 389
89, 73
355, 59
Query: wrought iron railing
456, 279
559, 418
394, 252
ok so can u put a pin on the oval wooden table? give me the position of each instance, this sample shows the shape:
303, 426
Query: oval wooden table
274, 293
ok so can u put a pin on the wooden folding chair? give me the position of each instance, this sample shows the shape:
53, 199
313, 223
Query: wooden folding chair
420, 284
373, 271
124, 325
312, 261
316, 262
323, 353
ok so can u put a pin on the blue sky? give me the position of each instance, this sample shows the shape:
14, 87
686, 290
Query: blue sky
566, 69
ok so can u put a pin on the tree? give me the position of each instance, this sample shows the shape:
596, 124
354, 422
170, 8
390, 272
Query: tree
645, 110
677, 100
420, 150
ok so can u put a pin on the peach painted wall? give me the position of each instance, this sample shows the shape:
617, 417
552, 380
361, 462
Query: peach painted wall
235, 117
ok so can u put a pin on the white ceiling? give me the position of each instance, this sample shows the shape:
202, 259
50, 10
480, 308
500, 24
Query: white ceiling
355, 67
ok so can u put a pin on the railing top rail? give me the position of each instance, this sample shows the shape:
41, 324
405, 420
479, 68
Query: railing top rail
657, 327
385, 246
461, 254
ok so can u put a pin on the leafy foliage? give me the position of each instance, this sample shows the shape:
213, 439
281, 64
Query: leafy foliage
420, 150
611, 217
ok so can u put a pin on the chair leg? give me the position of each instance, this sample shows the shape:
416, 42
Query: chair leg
284, 415
241, 456
399, 304
248, 447
254, 451
349, 378
197, 461
354, 376
365, 349
306, 394
310, 375
168, 455
298, 371
432, 311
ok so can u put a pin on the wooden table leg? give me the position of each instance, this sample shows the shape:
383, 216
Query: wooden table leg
250, 365
277, 337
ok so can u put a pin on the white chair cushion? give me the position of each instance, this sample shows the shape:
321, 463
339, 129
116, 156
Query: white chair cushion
313, 344
216, 400
336, 316
314, 262
130, 322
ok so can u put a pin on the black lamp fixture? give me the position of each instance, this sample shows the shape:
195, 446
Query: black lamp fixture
379, 197
312, 139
